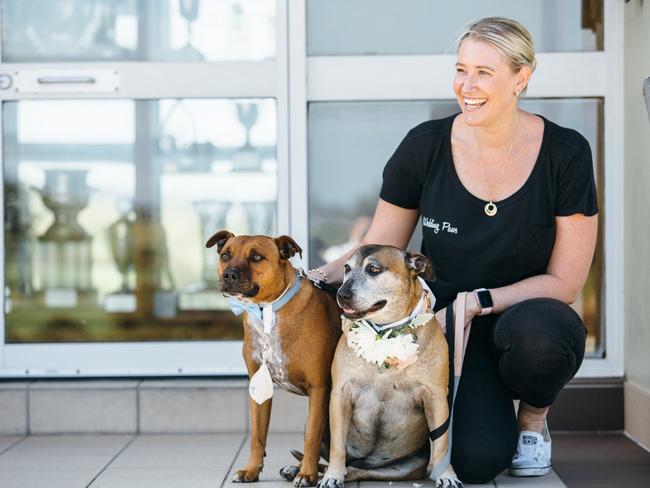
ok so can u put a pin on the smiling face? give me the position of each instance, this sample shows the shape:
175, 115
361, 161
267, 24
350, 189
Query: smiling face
485, 83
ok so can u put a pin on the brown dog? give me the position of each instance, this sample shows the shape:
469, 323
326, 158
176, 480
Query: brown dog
255, 270
382, 409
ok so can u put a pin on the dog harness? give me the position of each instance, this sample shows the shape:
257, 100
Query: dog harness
260, 387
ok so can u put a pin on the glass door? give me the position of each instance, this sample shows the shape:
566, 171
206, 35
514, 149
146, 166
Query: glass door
131, 132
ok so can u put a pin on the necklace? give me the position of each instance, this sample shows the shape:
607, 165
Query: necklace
491, 207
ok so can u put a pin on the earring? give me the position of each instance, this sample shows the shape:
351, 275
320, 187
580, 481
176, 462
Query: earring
517, 92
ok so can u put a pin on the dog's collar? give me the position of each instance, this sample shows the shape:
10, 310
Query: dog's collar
426, 302
267, 312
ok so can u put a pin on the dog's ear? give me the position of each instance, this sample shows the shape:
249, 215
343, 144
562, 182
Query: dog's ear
220, 239
287, 247
420, 265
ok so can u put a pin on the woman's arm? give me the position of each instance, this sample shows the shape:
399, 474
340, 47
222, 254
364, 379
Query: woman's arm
575, 242
390, 225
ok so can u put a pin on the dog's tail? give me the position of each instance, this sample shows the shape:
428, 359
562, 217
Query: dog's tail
299, 455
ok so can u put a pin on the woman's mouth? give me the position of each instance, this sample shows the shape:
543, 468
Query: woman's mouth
474, 103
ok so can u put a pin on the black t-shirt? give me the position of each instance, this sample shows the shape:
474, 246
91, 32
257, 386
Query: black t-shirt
469, 249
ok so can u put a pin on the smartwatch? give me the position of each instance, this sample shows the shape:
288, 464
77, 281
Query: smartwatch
484, 299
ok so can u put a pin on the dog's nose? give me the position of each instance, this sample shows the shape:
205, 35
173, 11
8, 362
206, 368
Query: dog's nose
344, 294
231, 275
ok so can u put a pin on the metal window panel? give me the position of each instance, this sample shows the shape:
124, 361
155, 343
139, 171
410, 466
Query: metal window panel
430, 77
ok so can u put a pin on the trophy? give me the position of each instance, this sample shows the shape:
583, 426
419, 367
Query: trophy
260, 217
120, 240
205, 295
65, 250
247, 157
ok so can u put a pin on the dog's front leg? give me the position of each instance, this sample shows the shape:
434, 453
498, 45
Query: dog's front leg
436, 410
318, 403
340, 417
260, 417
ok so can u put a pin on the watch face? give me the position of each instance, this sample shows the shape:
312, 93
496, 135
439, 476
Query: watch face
484, 298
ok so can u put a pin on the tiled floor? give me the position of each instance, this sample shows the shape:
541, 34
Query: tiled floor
162, 461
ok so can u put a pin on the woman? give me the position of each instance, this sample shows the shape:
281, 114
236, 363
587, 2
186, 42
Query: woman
508, 204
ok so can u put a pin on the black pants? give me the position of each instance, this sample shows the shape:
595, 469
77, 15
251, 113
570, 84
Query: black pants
530, 352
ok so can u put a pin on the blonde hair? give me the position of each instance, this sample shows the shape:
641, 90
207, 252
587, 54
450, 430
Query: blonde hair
508, 36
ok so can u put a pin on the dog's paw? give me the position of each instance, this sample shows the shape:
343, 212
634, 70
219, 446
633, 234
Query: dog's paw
247, 475
330, 483
305, 479
445, 482
289, 472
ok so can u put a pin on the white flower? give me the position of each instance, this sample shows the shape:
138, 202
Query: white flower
367, 344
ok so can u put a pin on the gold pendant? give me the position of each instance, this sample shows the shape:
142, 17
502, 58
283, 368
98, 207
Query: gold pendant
490, 209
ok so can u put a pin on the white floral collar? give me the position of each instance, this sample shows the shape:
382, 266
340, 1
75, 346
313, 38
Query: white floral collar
393, 344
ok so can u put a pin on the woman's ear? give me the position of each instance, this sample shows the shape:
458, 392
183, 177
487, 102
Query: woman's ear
523, 77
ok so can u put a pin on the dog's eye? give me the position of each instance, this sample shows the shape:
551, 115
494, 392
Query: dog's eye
346, 268
373, 270
225, 257
256, 257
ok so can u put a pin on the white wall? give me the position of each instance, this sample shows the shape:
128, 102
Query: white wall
637, 223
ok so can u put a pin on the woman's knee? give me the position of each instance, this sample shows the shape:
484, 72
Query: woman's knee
540, 343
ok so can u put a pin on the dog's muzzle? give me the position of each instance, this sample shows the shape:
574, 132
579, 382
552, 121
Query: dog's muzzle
345, 299
234, 282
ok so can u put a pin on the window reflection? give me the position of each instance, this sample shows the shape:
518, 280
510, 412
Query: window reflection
156, 30
107, 212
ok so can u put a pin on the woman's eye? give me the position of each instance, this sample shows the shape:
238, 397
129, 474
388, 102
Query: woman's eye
484, 73
460, 70
256, 258
346, 268
225, 257
373, 270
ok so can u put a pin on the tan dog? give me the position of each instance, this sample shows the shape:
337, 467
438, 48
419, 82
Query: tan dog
256, 270
381, 413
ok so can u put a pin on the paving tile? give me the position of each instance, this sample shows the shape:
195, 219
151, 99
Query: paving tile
7, 441
192, 406
50, 478
172, 461
13, 408
160, 478
551, 480
58, 461
201, 452
83, 407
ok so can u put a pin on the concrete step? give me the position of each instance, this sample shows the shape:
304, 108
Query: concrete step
142, 406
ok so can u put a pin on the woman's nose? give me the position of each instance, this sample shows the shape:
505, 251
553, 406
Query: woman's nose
468, 83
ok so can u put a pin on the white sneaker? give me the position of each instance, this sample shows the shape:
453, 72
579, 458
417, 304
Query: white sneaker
533, 456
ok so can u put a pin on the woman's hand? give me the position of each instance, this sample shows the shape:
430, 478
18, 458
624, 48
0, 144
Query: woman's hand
472, 309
